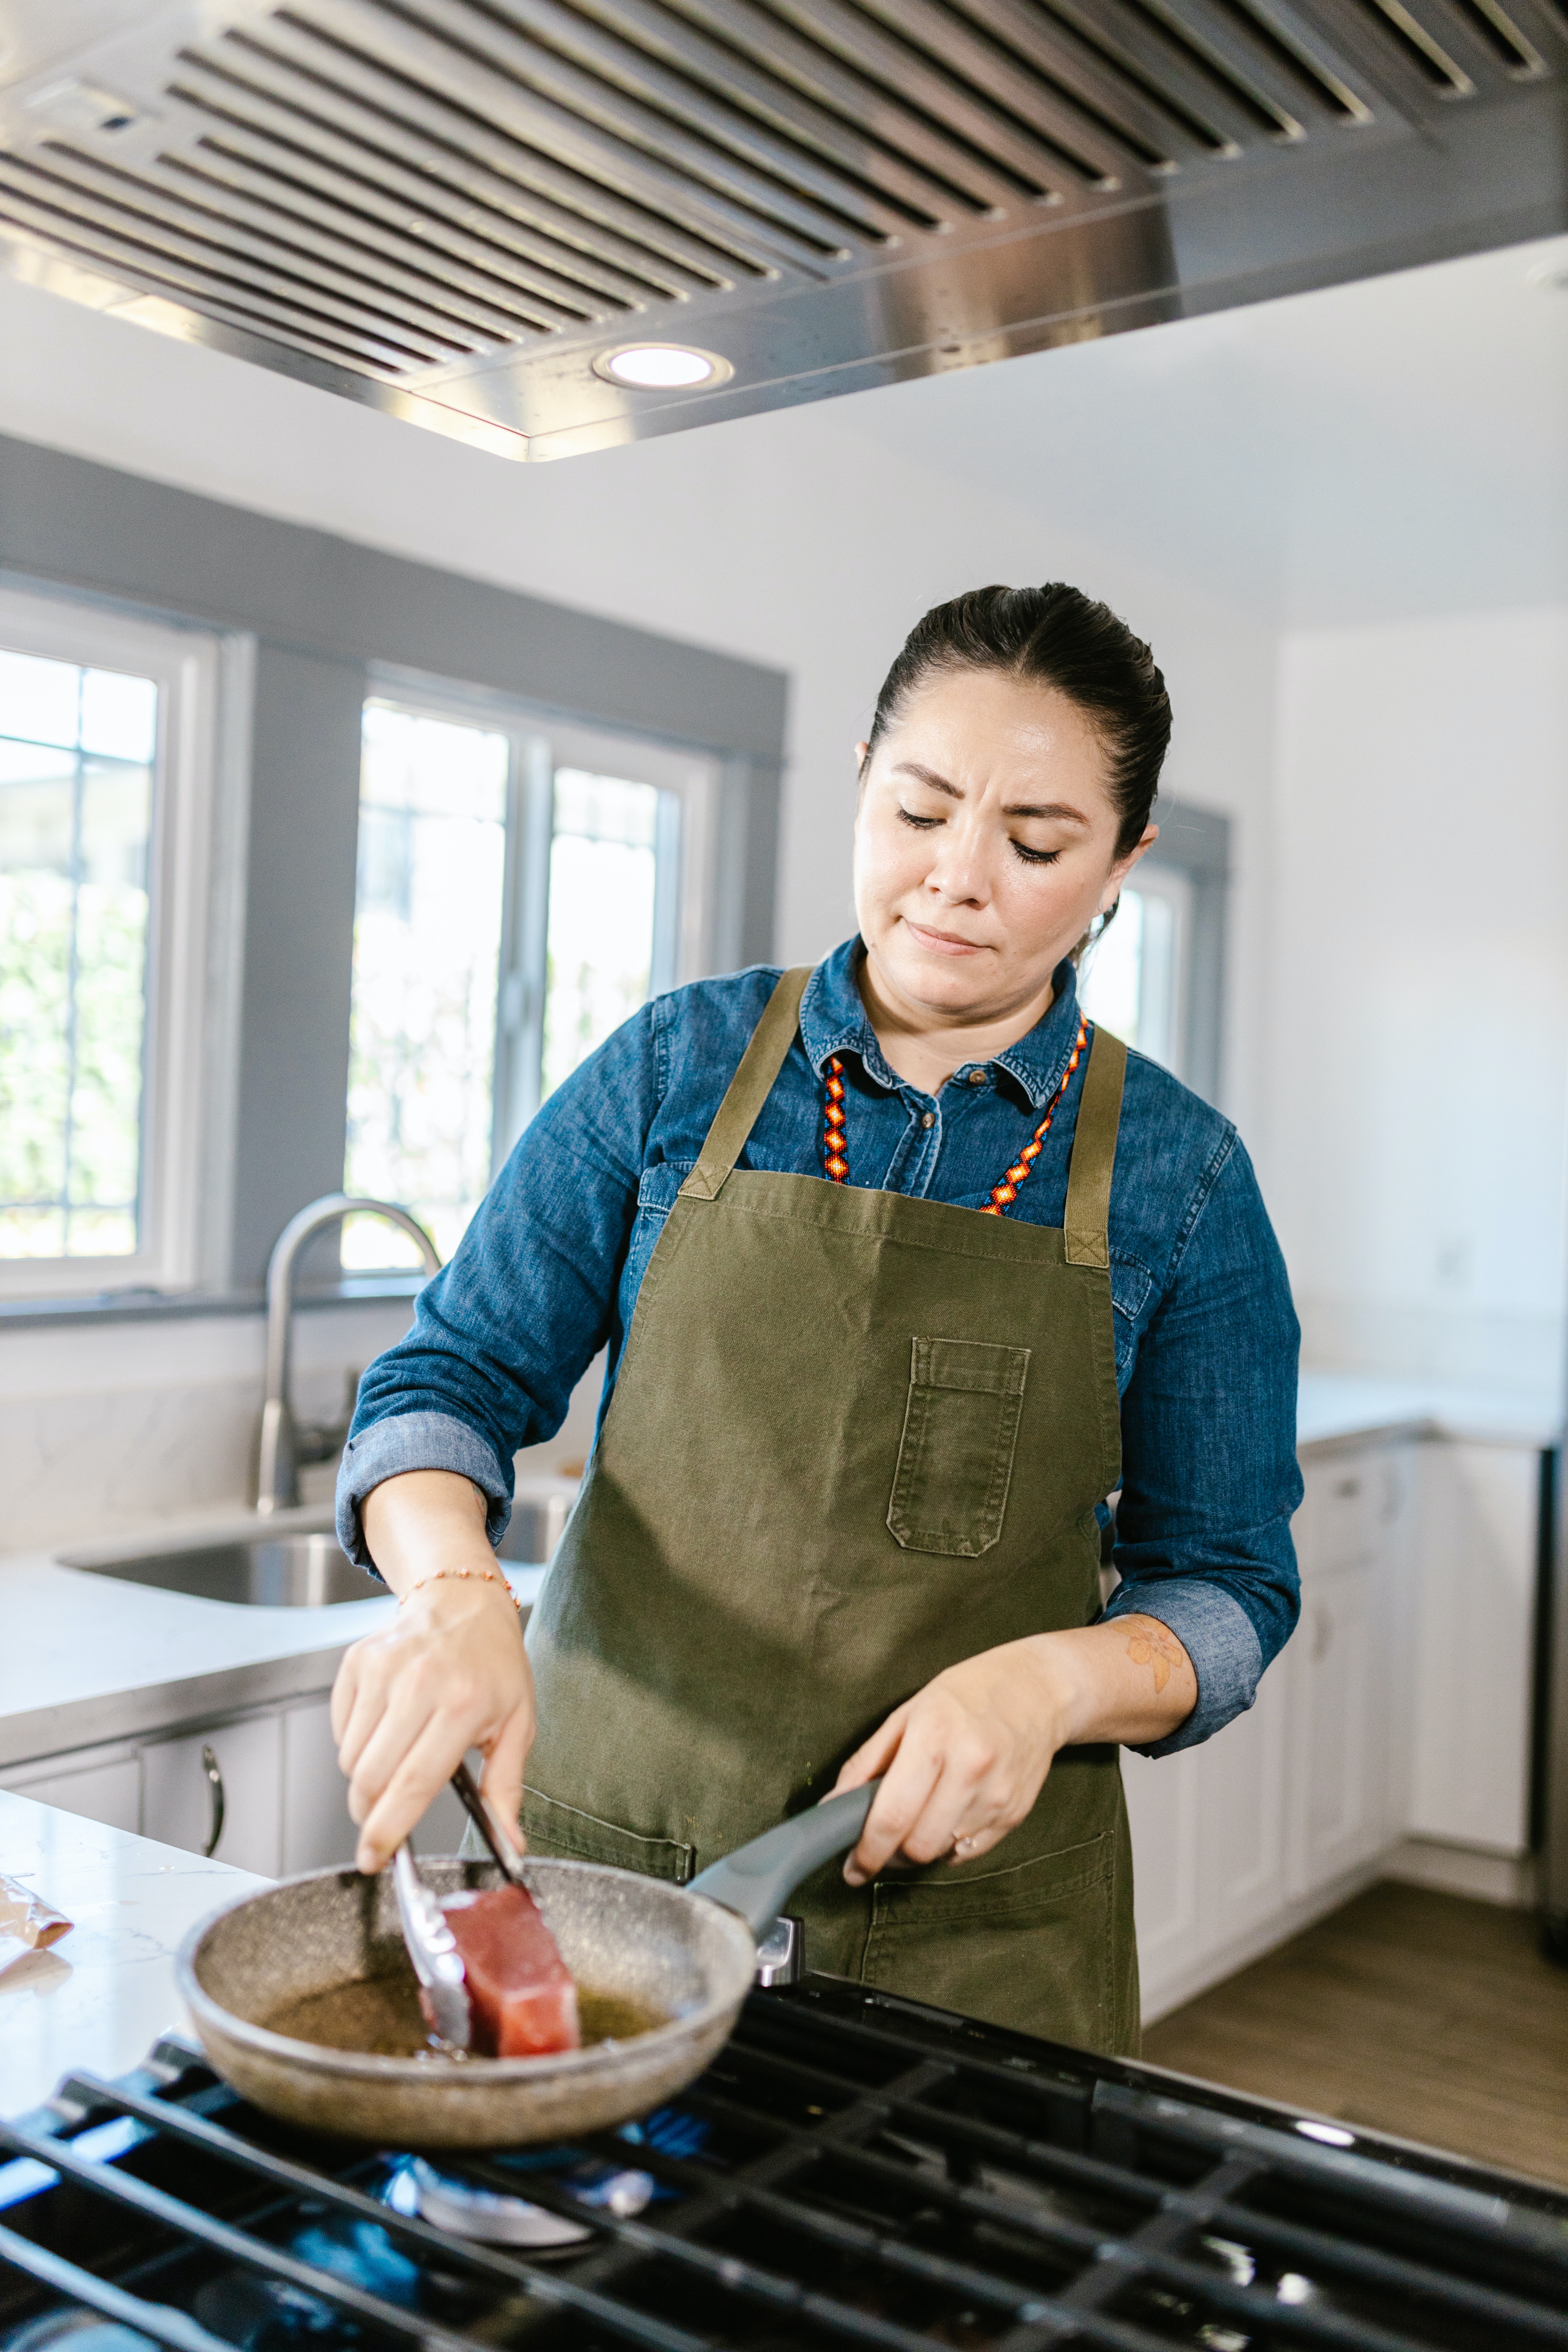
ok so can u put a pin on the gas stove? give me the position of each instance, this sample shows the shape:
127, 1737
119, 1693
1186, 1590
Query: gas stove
851, 2171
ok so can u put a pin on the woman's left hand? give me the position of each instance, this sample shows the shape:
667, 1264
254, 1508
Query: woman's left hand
963, 1761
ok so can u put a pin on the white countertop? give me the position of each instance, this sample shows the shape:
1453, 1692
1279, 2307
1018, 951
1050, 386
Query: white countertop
100, 1998
89, 1658
1334, 1406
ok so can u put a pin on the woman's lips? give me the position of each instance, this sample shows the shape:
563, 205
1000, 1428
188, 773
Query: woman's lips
943, 942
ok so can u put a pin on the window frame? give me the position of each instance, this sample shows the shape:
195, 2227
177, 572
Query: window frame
185, 663
541, 740
1194, 849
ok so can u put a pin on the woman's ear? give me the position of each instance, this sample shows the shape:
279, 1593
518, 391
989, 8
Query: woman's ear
1123, 867
862, 753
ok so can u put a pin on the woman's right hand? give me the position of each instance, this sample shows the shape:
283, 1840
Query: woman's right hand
450, 1672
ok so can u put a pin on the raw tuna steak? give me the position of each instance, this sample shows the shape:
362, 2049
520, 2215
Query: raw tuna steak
524, 2004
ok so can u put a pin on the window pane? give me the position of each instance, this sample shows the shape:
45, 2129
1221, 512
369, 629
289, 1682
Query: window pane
75, 836
1113, 971
602, 873
427, 924
1131, 976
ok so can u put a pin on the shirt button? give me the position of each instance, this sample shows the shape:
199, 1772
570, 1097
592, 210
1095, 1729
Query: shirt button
927, 1119
977, 1077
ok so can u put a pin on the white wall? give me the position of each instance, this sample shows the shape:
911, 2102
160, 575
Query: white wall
1419, 1023
810, 539
135, 1421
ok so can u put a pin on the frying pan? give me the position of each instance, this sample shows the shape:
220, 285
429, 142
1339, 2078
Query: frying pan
688, 1953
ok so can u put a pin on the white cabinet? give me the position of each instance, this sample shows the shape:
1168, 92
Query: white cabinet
267, 1783
101, 1784
1239, 1841
1340, 1673
316, 1830
1163, 1806
217, 1792
1473, 1628
1242, 1780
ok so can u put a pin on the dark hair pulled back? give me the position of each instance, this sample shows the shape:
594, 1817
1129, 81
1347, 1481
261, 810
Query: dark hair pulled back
1055, 636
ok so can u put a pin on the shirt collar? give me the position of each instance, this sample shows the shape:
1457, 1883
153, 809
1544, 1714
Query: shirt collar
832, 1020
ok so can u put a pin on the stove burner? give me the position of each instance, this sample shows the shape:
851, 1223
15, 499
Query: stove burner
499, 2218
849, 2168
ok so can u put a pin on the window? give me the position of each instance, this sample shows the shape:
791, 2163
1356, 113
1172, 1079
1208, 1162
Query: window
1155, 975
1133, 972
524, 885
105, 725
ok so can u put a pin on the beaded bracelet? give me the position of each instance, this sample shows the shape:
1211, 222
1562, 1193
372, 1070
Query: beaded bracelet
485, 1575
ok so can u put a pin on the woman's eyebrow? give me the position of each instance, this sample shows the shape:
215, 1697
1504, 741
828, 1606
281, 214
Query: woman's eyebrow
1058, 809
940, 784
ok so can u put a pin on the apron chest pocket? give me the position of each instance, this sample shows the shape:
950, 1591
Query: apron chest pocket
955, 1458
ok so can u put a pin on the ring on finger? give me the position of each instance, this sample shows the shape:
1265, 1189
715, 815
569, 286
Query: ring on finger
965, 1844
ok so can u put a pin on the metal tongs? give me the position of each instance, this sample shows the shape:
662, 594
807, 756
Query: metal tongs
431, 1945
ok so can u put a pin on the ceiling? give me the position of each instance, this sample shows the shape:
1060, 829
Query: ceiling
1396, 445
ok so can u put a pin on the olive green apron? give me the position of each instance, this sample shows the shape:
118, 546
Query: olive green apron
856, 1438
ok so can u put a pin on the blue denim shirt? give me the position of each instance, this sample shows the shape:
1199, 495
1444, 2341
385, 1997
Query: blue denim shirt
549, 1270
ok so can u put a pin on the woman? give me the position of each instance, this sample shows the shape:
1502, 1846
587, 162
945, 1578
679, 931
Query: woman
903, 1269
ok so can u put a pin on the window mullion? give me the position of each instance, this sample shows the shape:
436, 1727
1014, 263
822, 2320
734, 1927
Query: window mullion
519, 1008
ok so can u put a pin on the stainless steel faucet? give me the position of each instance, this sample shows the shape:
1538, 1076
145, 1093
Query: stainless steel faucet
284, 1443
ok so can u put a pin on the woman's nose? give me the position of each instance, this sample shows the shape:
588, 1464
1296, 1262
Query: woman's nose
957, 874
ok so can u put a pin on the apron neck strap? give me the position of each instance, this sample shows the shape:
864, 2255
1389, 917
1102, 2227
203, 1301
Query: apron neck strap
751, 1085
1094, 1141
1094, 1152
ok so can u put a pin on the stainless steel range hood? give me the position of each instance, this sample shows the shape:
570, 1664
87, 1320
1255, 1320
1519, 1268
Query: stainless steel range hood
451, 208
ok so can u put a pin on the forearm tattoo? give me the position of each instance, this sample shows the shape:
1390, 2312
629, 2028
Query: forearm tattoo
1149, 1644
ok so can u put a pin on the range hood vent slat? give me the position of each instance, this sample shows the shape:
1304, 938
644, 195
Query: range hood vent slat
454, 206
144, 266
551, 213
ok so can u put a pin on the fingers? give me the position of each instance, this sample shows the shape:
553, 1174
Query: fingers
961, 1765
425, 1768
449, 1675
874, 1754
500, 1782
898, 1805
344, 1688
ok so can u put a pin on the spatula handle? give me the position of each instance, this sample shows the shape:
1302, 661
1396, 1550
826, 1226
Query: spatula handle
759, 1879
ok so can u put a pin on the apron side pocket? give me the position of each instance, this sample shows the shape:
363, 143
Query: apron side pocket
1033, 1945
563, 1831
955, 1456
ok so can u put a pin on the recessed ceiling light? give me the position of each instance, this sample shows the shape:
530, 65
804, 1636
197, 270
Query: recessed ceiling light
661, 367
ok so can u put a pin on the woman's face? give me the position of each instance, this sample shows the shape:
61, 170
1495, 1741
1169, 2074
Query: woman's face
984, 845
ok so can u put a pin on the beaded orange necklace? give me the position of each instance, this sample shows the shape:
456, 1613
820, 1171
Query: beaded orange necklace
836, 1140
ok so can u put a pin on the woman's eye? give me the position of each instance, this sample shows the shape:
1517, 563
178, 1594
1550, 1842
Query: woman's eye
921, 823
1036, 857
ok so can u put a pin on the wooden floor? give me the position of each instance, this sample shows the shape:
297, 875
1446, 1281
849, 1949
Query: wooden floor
1423, 2014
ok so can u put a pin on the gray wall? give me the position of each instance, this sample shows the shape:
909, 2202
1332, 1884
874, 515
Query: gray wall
321, 609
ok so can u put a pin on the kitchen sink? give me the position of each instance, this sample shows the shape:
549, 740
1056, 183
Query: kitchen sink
302, 1567
298, 1571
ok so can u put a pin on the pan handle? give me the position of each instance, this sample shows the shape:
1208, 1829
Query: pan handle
759, 1879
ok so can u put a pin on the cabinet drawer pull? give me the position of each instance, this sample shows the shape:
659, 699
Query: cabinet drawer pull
216, 1799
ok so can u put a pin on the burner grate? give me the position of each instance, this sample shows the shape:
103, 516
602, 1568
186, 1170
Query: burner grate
850, 2171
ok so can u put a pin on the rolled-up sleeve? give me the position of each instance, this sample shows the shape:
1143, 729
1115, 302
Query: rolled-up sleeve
1210, 1477
503, 1334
